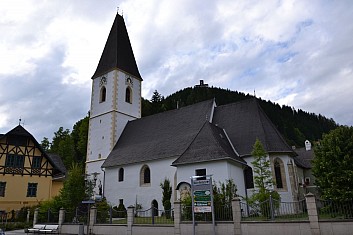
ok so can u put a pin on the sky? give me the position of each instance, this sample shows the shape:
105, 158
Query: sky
292, 52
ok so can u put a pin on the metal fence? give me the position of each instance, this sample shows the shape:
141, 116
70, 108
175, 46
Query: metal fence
222, 213
274, 210
49, 216
111, 216
154, 216
78, 215
329, 209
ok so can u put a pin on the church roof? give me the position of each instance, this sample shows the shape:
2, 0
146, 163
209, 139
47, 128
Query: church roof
210, 144
245, 121
187, 135
117, 53
304, 157
158, 136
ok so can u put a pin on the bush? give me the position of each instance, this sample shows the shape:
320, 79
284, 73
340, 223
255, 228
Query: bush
15, 226
120, 211
103, 211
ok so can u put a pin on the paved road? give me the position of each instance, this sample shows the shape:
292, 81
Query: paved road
15, 232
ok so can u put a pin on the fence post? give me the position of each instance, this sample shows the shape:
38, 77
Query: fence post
92, 212
110, 214
177, 217
130, 219
92, 216
48, 215
271, 207
35, 216
61, 216
312, 213
28, 214
152, 210
236, 210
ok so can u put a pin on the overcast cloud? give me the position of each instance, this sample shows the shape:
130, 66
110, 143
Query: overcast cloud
297, 53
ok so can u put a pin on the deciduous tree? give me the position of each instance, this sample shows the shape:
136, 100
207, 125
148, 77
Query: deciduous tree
333, 164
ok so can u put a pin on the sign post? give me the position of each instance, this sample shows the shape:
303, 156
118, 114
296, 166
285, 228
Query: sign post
202, 197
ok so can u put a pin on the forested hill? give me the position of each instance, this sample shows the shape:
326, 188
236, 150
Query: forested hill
295, 125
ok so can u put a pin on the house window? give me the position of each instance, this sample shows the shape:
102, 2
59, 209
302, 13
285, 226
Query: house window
200, 172
32, 190
128, 98
145, 176
278, 174
36, 162
103, 94
14, 161
121, 174
249, 178
2, 189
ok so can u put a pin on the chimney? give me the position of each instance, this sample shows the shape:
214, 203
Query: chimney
307, 145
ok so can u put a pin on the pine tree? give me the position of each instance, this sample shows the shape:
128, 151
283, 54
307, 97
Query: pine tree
261, 165
263, 180
167, 194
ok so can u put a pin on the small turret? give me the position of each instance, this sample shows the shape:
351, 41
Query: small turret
307, 145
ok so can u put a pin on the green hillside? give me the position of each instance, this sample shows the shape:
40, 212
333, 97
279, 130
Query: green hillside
295, 125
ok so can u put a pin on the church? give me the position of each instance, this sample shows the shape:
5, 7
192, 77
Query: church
130, 156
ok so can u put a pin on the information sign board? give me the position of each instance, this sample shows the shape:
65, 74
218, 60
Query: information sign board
202, 197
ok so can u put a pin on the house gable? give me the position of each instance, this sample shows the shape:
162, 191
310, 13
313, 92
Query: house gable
21, 154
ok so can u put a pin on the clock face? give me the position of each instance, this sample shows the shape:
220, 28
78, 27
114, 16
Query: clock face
128, 80
103, 81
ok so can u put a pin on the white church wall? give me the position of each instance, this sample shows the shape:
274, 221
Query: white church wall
98, 107
220, 171
108, 119
130, 190
236, 173
99, 137
131, 109
286, 194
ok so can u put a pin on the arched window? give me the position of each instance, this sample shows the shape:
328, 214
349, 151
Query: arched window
278, 173
145, 176
103, 94
154, 206
249, 178
121, 174
128, 94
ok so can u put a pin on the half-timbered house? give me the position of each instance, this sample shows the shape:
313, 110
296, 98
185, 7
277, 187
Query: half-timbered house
28, 174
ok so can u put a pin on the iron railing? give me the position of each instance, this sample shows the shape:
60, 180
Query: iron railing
112, 216
272, 209
330, 209
48, 216
154, 216
78, 215
222, 213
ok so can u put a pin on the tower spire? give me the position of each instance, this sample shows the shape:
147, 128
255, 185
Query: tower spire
117, 53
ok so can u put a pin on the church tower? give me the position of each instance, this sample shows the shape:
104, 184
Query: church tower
115, 99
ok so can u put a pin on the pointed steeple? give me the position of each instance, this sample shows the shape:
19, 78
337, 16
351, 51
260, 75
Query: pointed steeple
117, 53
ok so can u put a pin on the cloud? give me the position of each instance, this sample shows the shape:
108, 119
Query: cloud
297, 53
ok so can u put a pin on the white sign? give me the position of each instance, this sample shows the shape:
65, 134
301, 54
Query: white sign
201, 182
202, 209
